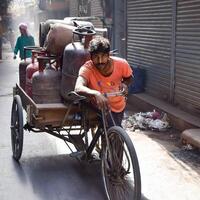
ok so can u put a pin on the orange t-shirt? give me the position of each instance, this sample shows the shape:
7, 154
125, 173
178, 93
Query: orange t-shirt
106, 84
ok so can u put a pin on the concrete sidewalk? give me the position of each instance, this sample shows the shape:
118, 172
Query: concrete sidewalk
178, 118
187, 123
168, 172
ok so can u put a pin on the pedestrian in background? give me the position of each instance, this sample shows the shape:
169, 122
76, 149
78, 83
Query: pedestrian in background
25, 39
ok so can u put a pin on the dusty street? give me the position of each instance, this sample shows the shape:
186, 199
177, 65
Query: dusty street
168, 170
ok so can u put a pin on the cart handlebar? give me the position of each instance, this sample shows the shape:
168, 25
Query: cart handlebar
75, 97
114, 94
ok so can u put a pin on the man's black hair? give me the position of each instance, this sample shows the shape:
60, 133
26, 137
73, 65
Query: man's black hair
99, 44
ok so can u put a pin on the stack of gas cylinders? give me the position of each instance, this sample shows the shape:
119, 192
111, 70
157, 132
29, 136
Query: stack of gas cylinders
40, 77
31, 69
23, 65
45, 79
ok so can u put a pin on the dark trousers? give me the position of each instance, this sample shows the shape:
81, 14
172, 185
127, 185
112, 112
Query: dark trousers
117, 118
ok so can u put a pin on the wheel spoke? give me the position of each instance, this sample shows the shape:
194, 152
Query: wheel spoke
120, 167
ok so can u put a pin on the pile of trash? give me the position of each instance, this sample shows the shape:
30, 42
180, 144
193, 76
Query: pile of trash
155, 121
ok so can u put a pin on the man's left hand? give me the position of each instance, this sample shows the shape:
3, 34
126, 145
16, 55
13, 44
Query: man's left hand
124, 88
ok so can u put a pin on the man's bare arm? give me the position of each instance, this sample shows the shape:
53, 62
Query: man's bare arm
81, 87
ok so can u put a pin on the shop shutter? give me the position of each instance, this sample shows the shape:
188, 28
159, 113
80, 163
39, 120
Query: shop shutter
97, 11
187, 85
73, 8
149, 36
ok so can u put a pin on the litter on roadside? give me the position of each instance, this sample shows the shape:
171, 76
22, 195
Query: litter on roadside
155, 121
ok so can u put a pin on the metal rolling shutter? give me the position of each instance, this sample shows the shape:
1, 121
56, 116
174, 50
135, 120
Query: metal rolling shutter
96, 10
149, 36
73, 8
187, 87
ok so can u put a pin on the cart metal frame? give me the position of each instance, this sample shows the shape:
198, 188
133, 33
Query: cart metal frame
76, 114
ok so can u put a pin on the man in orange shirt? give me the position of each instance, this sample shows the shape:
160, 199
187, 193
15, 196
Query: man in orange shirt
105, 74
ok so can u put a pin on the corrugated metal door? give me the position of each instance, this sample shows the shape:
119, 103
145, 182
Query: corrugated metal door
73, 8
149, 35
187, 85
97, 11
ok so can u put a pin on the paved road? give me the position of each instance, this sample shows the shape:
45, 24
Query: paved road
46, 171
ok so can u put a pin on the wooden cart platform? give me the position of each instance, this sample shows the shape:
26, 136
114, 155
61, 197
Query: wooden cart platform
52, 114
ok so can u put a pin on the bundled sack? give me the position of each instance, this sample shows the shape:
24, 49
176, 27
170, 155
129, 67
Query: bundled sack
58, 37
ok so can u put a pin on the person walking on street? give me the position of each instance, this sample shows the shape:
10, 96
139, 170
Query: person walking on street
25, 39
104, 74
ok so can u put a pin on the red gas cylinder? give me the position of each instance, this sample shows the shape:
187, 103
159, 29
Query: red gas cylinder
22, 72
46, 83
30, 70
23, 65
75, 55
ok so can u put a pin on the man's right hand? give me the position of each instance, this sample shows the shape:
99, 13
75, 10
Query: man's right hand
81, 87
14, 57
101, 100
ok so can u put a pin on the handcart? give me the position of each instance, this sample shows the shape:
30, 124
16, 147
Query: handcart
81, 125
72, 121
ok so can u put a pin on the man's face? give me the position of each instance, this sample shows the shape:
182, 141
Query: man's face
100, 60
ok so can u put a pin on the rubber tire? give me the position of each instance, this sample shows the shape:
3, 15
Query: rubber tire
17, 131
137, 178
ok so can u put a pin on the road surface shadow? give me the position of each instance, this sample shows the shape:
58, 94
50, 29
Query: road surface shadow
62, 177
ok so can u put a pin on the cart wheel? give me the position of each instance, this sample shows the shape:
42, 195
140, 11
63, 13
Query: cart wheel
17, 132
120, 167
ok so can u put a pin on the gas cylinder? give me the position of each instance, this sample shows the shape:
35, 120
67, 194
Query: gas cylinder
22, 72
30, 70
46, 84
23, 65
75, 55
44, 27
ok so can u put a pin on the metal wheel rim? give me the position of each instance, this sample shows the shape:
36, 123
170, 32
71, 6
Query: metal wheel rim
17, 128
117, 183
